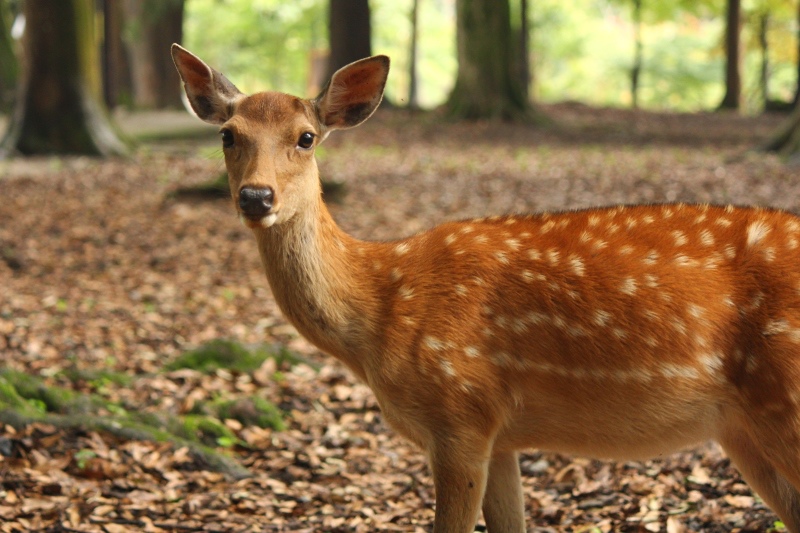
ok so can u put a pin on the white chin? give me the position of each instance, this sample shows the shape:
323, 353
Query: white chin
265, 222
268, 220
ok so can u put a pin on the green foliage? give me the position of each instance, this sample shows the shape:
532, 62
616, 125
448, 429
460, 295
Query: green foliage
229, 355
253, 411
207, 430
258, 44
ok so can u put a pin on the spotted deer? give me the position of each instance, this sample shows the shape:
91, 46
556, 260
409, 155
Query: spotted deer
623, 332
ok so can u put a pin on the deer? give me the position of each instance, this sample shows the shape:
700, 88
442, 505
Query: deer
621, 332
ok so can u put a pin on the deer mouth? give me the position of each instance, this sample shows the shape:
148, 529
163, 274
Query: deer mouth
266, 221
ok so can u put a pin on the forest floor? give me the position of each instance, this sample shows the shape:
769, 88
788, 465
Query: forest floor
108, 273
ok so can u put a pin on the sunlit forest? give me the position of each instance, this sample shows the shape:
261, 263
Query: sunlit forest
580, 51
481, 249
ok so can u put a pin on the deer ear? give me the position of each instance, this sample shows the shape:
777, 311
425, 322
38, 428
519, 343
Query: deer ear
353, 93
210, 93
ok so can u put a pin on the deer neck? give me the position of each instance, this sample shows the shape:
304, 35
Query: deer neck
320, 282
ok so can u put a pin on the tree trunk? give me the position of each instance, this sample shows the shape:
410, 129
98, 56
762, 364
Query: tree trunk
636, 70
413, 100
117, 83
523, 57
152, 26
485, 85
797, 66
59, 110
763, 42
350, 33
733, 80
9, 69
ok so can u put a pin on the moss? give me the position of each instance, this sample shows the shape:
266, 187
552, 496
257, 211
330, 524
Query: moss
230, 355
207, 430
9, 397
97, 378
253, 411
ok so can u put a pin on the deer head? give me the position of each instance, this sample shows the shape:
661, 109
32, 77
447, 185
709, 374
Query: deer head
269, 138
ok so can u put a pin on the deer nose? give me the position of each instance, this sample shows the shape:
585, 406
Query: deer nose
256, 203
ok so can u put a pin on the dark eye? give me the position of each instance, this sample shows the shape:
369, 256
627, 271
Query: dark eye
306, 140
227, 138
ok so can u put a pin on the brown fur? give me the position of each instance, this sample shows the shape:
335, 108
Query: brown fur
619, 332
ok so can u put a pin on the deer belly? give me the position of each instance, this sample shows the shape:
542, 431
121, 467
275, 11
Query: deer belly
615, 421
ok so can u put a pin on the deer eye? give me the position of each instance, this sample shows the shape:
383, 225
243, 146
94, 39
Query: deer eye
306, 140
227, 138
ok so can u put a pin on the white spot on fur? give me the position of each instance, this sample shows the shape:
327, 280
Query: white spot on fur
722, 221
502, 257
651, 280
585, 237
537, 318
518, 325
601, 318
679, 371
626, 249
711, 362
769, 254
651, 315
471, 351
593, 220
481, 239
577, 266
729, 252
680, 238
447, 367
547, 226
461, 290
396, 274
756, 232
405, 292
513, 244
534, 254
628, 286
450, 239
434, 344
527, 275
696, 311
775, 327
679, 325
706, 238
402, 248
651, 258
553, 256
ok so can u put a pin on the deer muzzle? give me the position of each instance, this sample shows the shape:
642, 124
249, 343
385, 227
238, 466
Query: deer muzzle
255, 203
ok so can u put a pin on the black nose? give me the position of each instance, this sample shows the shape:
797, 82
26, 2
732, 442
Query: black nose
254, 202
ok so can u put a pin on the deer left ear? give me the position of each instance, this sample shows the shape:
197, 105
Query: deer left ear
210, 93
353, 93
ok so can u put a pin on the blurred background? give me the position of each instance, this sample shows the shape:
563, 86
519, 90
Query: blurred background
664, 55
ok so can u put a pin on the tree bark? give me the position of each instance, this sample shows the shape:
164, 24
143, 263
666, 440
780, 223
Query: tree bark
485, 84
796, 100
636, 70
117, 82
59, 109
350, 33
413, 99
733, 65
9, 69
151, 28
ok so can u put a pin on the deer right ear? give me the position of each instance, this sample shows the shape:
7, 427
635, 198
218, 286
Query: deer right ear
210, 93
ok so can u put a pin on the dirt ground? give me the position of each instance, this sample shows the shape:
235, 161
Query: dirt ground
102, 266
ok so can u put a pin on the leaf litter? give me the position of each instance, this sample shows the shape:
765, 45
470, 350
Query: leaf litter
106, 271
